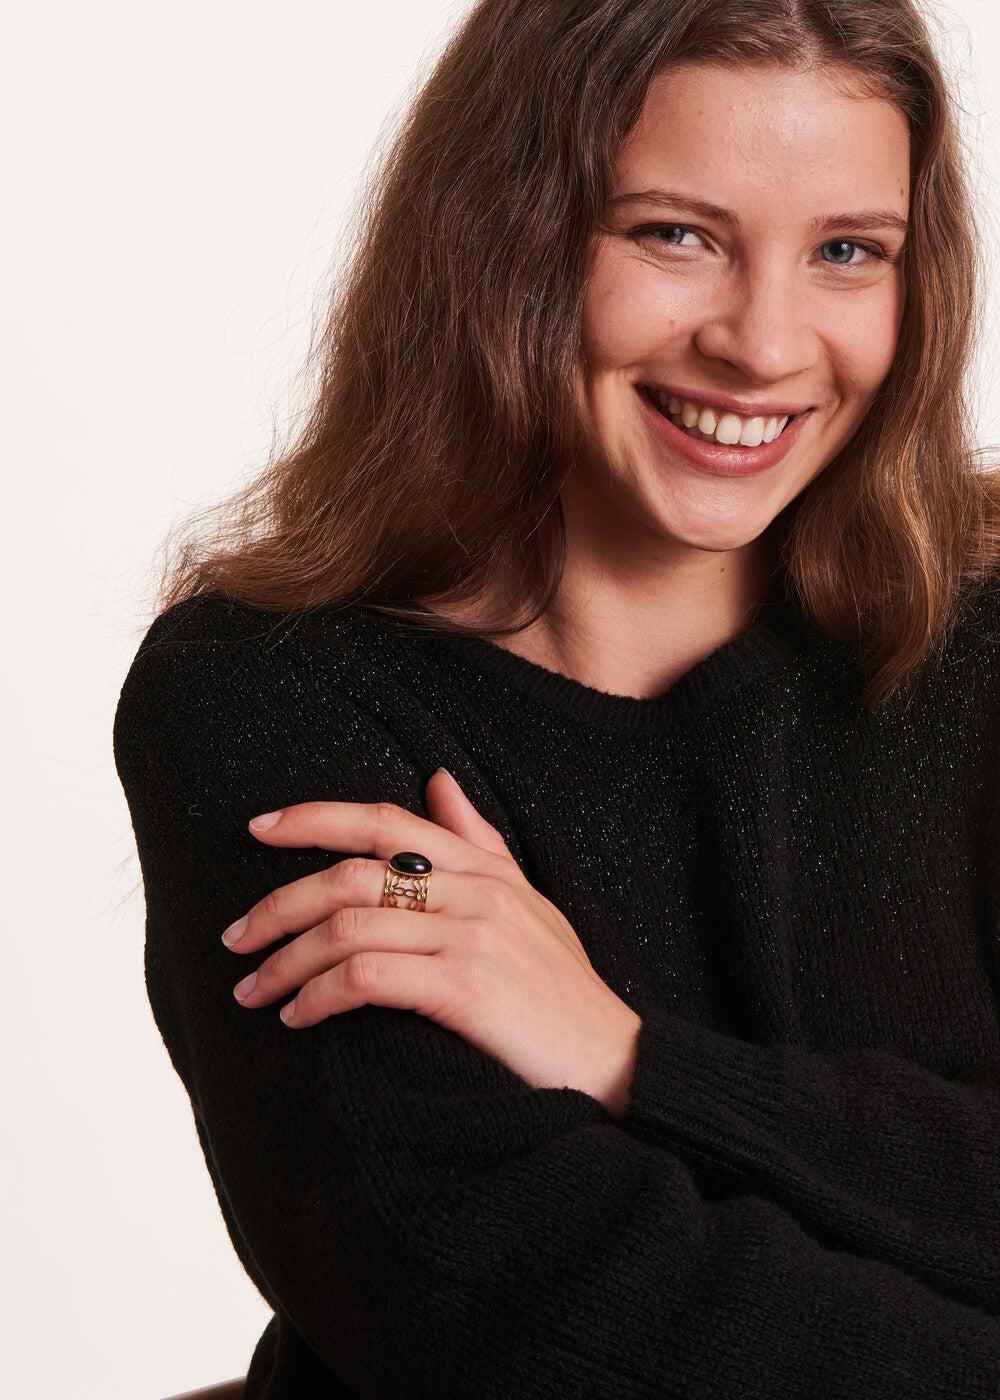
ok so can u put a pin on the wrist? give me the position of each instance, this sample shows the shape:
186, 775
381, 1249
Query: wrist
615, 1094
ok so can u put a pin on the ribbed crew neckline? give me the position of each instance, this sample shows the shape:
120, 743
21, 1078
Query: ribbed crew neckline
768, 646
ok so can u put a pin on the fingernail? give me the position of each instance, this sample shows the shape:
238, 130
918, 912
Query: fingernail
265, 822
244, 988
287, 1013
235, 932
450, 775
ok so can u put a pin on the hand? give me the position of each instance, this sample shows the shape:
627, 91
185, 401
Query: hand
490, 958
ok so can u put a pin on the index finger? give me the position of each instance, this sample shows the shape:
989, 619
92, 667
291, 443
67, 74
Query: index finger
380, 829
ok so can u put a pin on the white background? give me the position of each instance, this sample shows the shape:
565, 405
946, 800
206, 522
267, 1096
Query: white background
177, 183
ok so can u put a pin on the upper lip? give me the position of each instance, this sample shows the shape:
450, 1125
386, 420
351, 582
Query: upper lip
744, 408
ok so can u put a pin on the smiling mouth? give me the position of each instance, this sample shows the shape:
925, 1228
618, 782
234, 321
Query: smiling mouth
707, 424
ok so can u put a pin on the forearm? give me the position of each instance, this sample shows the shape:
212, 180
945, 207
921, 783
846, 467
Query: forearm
862, 1146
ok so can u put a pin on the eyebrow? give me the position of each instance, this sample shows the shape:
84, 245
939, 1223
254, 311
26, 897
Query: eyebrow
864, 220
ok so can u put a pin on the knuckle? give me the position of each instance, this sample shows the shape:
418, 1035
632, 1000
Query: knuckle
499, 896
342, 926
347, 874
333, 877
361, 970
358, 873
387, 816
267, 913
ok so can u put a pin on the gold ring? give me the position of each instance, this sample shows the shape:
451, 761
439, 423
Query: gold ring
406, 877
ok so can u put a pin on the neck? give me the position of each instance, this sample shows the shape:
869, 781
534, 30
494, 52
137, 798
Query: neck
634, 611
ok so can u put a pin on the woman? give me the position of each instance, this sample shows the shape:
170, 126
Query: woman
637, 497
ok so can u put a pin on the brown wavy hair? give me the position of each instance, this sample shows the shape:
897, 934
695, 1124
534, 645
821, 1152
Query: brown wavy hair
430, 462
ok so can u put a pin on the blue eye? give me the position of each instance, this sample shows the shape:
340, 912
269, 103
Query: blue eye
674, 234
840, 251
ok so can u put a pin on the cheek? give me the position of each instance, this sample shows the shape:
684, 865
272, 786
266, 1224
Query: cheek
628, 314
866, 334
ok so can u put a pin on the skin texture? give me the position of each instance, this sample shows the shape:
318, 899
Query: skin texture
664, 559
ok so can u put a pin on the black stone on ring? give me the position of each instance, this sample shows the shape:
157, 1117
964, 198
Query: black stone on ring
409, 863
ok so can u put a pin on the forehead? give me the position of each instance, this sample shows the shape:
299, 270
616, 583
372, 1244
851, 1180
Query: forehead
772, 135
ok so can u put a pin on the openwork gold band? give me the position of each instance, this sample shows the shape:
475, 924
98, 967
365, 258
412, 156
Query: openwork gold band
404, 880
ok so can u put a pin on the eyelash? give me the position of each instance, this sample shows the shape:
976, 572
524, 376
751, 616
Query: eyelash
878, 253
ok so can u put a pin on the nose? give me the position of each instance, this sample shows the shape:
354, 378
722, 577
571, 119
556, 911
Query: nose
760, 327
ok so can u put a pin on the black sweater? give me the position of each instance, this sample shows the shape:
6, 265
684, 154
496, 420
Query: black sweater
800, 899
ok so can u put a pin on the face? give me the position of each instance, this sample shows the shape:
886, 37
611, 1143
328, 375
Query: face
744, 302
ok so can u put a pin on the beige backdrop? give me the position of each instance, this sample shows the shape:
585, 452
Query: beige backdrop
181, 177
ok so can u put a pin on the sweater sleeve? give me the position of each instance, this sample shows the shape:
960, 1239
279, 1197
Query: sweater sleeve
430, 1224
879, 1153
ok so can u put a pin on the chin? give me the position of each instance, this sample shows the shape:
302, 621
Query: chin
720, 538
710, 519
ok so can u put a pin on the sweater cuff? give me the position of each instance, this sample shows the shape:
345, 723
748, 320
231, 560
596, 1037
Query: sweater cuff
695, 1084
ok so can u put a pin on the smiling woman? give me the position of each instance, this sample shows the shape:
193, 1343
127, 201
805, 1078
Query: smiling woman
638, 494
702, 339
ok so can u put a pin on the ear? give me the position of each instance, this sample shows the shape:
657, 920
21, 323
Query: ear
448, 806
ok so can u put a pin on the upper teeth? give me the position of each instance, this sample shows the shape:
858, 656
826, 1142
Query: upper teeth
726, 428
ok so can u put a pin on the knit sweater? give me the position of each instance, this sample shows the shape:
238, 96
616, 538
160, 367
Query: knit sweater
799, 898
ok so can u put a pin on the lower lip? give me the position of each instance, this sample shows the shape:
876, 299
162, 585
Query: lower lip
713, 456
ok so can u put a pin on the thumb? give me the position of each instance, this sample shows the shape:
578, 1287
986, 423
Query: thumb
448, 806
